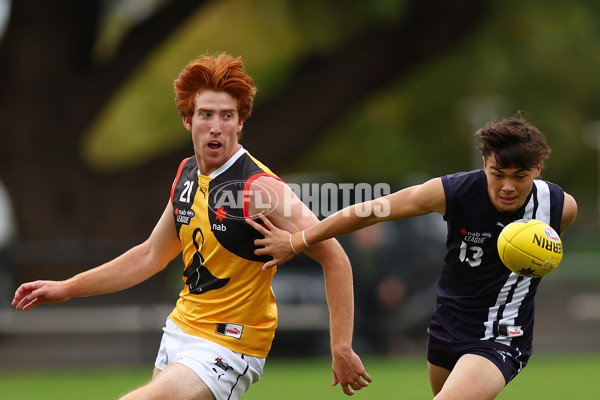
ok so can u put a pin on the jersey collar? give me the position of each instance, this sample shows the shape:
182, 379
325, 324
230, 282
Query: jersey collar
227, 164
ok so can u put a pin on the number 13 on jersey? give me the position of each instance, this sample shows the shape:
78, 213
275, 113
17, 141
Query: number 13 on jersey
472, 254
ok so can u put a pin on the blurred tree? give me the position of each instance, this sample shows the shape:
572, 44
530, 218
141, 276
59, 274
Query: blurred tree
50, 90
52, 87
539, 59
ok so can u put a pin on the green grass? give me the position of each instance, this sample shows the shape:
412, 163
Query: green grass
67, 384
551, 377
310, 379
547, 377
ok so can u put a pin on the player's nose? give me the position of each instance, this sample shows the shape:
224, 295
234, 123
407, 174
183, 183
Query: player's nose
507, 185
215, 127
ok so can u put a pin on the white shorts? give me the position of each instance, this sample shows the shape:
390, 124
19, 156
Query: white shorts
226, 373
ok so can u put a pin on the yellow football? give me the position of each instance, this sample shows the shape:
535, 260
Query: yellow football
530, 248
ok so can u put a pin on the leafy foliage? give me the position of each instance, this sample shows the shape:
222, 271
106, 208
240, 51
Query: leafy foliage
540, 59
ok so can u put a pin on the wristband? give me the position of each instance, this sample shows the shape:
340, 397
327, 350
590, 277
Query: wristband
304, 240
292, 246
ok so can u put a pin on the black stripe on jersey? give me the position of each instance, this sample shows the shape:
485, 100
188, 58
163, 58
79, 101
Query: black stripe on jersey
536, 202
227, 219
184, 192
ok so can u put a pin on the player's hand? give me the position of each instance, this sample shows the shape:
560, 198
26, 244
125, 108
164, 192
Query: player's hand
276, 242
349, 372
32, 294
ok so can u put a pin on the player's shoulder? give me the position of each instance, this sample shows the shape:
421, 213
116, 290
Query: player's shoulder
464, 176
546, 188
251, 159
189, 161
267, 183
188, 166
461, 183
551, 185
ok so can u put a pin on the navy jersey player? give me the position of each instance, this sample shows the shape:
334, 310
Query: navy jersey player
481, 330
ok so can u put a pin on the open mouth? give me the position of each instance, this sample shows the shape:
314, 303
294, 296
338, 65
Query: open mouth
214, 145
508, 200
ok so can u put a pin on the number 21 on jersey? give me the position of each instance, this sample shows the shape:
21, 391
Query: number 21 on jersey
186, 193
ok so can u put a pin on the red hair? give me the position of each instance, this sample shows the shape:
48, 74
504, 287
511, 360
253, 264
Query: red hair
222, 73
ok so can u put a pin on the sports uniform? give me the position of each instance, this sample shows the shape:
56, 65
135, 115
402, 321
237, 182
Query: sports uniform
481, 307
227, 298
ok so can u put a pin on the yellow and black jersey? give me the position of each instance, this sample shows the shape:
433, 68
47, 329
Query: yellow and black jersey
227, 297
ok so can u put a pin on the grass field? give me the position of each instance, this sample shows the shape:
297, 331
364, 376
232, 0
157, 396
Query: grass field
547, 377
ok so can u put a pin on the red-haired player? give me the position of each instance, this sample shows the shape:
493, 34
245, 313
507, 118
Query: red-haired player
216, 339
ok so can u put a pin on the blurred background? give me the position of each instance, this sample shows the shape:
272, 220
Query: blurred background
349, 91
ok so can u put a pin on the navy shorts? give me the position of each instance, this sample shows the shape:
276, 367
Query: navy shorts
509, 360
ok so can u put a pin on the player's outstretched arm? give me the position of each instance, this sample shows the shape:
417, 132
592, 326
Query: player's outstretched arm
347, 367
409, 202
129, 269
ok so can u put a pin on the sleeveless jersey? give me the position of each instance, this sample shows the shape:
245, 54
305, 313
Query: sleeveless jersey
227, 297
478, 298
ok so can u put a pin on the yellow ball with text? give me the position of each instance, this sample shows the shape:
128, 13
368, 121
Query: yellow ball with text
530, 248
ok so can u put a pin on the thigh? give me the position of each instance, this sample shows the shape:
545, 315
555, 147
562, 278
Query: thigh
473, 378
175, 382
437, 377
226, 373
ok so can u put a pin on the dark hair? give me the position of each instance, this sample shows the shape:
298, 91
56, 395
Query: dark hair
221, 73
514, 142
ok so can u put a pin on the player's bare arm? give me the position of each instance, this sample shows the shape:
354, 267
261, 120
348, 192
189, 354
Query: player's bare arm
290, 214
409, 202
129, 269
569, 212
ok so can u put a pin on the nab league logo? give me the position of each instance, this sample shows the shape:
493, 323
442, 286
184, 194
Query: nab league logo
183, 216
475, 237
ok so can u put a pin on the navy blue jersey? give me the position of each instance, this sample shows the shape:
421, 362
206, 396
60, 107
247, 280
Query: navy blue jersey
478, 298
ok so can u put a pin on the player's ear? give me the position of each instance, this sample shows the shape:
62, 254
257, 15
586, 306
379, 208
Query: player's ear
187, 123
538, 170
239, 128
